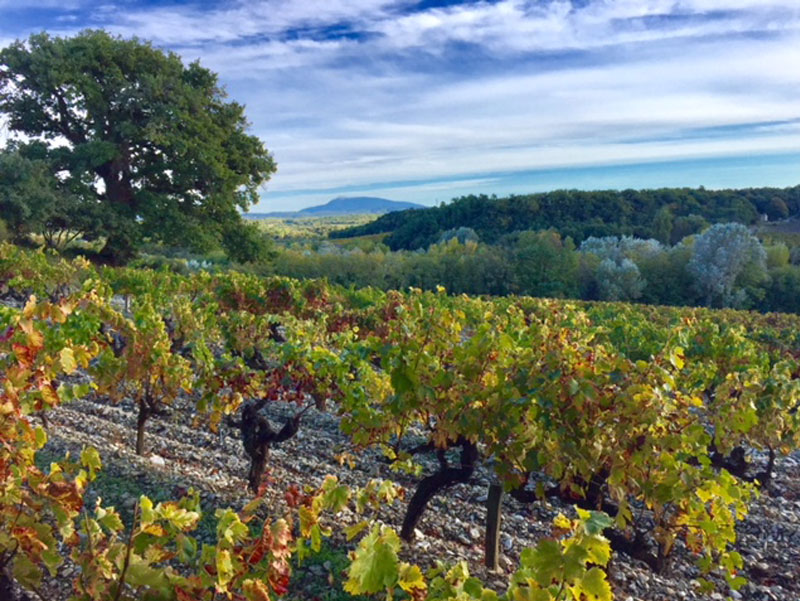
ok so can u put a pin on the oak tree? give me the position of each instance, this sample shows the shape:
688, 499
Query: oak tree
152, 141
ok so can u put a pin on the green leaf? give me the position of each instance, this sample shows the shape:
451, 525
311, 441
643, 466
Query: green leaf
401, 381
141, 574
26, 572
179, 517
52, 559
316, 538
547, 562
574, 387
90, 459
528, 593
110, 520
41, 437
596, 521
352, 531
676, 358
146, 513
187, 548
336, 499
473, 587
598, 550
595, 586
374, 567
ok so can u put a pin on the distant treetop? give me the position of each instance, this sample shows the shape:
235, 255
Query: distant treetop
666, 215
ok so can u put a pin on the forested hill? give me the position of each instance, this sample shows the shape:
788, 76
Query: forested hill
666, 214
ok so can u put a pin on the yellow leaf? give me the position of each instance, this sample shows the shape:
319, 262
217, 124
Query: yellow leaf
410, 578
67, 360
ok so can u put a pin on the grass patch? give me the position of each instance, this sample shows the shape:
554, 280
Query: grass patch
321, 577
121, 492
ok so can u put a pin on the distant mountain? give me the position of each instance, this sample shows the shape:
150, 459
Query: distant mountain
350, 205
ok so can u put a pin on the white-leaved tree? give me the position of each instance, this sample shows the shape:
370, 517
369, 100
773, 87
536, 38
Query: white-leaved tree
619, 281
462, 234
617, 275
626, 247
727, 260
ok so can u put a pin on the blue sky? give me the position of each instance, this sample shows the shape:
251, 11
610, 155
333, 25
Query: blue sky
427, 100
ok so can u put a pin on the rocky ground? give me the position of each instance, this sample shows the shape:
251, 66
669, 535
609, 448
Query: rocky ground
179, 457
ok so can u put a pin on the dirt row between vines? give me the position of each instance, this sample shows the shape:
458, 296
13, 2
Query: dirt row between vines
180, 457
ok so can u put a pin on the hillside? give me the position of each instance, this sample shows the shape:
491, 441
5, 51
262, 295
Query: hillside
667, 214
343, 205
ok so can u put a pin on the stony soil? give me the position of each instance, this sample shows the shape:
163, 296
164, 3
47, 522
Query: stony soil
179, 457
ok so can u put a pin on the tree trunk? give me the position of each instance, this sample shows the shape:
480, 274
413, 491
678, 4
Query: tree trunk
258, 465
258, 437
765, 476
638, 547
9, 591
444, 478
117, 250
120, 246
141, 420
494, 506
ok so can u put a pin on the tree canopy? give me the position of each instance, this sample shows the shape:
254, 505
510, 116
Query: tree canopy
667, 215
33, 201
129, 128
726, 260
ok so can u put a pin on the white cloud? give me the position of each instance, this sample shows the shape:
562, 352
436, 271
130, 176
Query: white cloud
514, 25
44, 4
614, 80
579, 115
234, 21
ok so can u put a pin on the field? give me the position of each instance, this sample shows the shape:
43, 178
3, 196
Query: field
645, 452
310, 227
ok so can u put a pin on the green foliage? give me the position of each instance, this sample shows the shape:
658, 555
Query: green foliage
560, 569
662, 225
544, 264
567, 567
539, 263
171, 161
618, 406
776, 208
668, 214
783, 291
34, 202
246, 243
777, 255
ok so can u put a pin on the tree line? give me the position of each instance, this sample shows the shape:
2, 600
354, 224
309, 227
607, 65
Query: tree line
723, 266
667, 215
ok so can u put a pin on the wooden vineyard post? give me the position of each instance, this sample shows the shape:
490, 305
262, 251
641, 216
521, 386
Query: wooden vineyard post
494, 506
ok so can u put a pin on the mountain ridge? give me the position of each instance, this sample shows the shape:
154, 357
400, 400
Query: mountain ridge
342, 205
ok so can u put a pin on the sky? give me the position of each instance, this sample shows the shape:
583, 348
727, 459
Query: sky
428, 100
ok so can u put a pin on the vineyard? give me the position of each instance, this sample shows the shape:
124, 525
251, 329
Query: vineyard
565, 448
